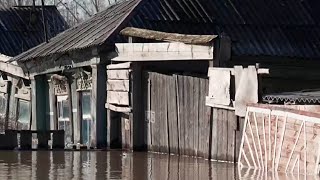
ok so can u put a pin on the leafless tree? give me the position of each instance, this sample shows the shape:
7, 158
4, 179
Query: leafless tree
74, 11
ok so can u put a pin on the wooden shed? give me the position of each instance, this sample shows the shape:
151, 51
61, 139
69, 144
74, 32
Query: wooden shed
158, 93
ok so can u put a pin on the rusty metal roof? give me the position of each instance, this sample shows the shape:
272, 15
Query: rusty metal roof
21, 27
92, 32
277, 28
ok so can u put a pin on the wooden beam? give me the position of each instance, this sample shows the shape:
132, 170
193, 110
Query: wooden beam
118, 108
232, 70
126, 65
210, 102
118, 74
164, 36
118, 85
162, 52
13, 70
120, 98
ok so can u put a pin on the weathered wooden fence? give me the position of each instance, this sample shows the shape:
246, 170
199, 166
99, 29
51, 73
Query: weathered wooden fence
179, 122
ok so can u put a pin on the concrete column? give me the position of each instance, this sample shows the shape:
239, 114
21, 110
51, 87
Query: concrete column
39, 103
98, 110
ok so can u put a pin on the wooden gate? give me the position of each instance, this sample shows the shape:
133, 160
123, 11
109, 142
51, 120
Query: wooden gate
178, 120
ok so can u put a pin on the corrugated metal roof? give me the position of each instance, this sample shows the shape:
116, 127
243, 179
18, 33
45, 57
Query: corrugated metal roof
257, 28
21, 27
92, 32
298, 97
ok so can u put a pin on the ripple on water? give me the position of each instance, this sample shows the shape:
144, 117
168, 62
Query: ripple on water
42, 165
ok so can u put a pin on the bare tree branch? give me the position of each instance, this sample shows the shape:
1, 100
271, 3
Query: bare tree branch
68, 9
82, 7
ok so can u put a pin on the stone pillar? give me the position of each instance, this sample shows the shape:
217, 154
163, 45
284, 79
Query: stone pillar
39, 105
98, 110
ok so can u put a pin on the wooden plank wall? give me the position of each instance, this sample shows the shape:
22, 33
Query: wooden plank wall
184, 125
224, 135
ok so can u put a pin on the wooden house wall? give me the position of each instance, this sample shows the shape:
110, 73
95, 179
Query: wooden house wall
176, 120
14, 90
73, 88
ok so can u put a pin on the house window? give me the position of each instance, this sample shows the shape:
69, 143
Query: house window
63, 117
86, 105
63, 108
3, 102
86, 117
23, 114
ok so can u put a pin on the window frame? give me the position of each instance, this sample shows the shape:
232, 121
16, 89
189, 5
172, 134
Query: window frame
85, 116
62, 99
18, 111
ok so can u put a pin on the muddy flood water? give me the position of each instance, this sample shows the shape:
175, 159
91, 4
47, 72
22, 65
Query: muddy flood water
42, 165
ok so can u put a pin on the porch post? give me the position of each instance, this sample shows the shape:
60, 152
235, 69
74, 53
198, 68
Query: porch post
76, 105
39, 103
98, 110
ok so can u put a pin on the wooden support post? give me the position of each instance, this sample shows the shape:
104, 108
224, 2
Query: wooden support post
25, 139
43, 137
53, 107
69, 91
12, 116
222, 51
139, 124
58, 139
11, 139
39, 103
8, 94
108, 123
98, 110
76, 120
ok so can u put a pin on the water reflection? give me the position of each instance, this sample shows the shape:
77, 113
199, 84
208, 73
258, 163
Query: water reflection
120, 165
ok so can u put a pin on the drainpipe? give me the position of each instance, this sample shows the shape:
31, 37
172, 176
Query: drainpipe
44, 22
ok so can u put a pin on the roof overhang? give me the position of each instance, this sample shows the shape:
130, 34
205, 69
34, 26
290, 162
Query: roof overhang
168, 51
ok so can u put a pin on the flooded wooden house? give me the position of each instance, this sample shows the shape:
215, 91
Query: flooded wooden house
21, 28
68, 73
80, 84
